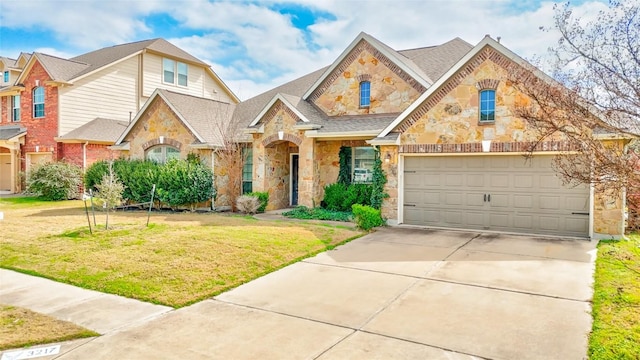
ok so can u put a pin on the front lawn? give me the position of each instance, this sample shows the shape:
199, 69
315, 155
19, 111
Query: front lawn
22, 327
616, 301
180, 259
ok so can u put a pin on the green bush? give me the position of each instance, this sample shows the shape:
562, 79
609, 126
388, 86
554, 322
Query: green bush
303, 212
55, 180
181, 183
333, 196
340, 197
263, 197
366, 217
94, 174
356, 194
138, 176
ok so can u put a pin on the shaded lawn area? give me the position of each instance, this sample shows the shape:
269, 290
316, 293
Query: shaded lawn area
21, 327
181, 258
616, 301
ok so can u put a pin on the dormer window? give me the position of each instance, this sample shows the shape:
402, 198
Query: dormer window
169, 70
365, 94
487, 105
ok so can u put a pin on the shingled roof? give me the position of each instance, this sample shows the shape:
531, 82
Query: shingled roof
98, 130
429, 62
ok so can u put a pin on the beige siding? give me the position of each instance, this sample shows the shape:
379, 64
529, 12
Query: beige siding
110, 93
199, 82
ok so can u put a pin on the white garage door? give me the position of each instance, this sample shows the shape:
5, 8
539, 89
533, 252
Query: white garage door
503, 193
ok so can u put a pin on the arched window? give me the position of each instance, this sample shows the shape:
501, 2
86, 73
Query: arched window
487, 105
365, 94
38, 102
162, 153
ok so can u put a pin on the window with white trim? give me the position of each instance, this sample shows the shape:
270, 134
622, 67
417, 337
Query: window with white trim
247, 170
15, 108
38, 102
360, 162
6, 76
162, 153
487, 105
175, 72
365, 94
168, 71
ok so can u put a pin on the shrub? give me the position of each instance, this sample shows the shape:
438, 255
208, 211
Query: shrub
340, 197
263, 197
138, 176
247, 204
366, 217
181, 182
356, 194
333, 196
94, 174
55, 180
303, 212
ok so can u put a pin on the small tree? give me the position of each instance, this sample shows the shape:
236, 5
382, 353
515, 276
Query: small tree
110, 190
597, 95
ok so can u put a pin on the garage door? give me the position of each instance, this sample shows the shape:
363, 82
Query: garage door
502, 193
5, 172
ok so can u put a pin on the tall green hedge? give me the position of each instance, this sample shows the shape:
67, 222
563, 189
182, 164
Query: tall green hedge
178, 183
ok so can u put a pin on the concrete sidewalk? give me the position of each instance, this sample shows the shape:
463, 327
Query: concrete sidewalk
102, 313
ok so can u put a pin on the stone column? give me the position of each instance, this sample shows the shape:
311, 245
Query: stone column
259, 166
390, 168
306, 172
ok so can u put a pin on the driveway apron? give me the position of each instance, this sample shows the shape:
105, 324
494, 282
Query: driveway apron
397, 293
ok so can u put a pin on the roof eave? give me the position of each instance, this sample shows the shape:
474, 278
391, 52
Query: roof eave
367, 134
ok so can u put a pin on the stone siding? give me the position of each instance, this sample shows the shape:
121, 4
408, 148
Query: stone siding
391, 91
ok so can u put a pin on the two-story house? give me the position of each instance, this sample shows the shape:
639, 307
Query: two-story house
74, 109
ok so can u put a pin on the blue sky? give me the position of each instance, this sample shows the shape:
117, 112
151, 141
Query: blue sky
255, 45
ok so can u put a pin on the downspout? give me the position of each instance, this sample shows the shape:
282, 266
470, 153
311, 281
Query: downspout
84, 156
213, 173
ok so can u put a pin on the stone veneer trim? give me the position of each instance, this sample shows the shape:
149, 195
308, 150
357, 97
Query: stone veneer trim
285, 137
455, 80
363, 45
518, 146
167, 141
277, 106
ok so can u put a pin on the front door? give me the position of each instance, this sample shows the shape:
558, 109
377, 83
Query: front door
294, 179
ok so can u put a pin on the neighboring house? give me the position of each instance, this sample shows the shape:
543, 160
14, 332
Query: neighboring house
73, 109
173, 125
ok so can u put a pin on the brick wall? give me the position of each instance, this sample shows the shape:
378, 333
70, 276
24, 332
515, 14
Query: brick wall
40, 131
73, 153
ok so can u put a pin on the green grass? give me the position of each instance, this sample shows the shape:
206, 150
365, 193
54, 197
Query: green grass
22, 327
180, 259
616, 301
303, 212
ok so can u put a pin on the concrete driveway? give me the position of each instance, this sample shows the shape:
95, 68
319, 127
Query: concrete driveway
398, 293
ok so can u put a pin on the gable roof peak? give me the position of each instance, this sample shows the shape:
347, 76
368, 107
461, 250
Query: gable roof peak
398, 59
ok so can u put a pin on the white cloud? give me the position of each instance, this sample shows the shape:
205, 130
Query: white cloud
253, 47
